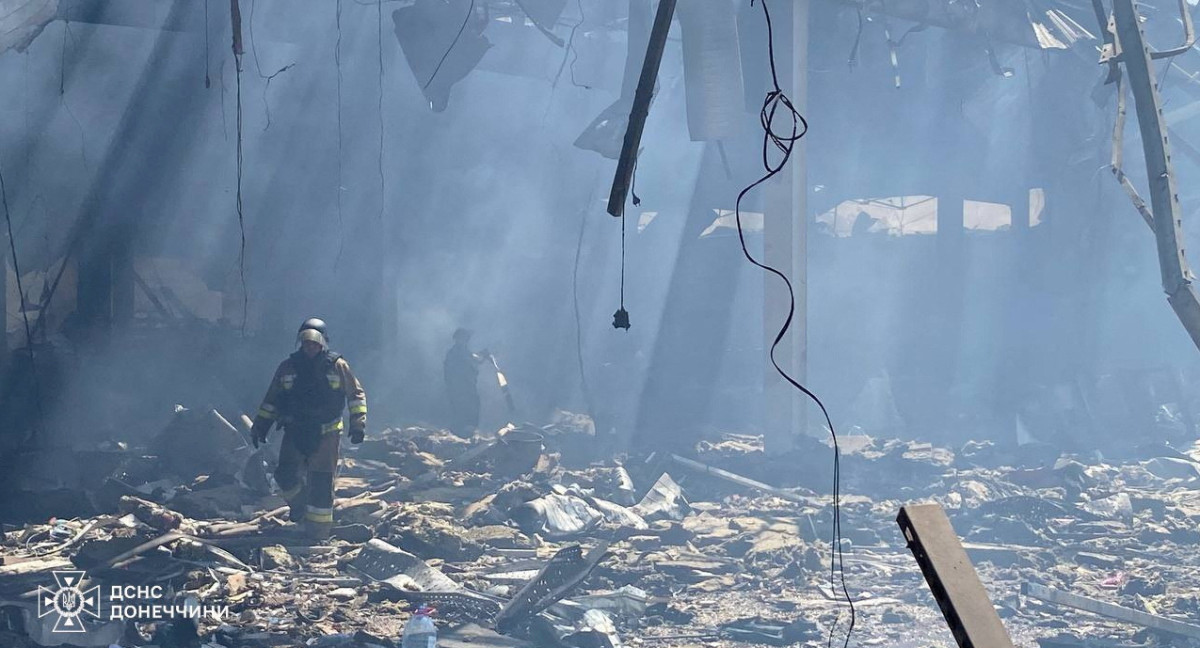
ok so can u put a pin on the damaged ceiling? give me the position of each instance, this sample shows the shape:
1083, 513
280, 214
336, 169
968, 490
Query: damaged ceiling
22, 20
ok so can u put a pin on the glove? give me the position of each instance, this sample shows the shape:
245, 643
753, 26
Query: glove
258, 433
357, 435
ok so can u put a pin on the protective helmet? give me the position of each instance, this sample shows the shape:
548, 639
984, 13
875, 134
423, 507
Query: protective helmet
314, 330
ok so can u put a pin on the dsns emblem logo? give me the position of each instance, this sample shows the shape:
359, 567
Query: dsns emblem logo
69, 602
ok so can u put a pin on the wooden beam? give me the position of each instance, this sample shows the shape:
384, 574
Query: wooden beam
1154, 622
952, 578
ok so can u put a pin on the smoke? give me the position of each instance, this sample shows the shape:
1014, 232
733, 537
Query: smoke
479, 218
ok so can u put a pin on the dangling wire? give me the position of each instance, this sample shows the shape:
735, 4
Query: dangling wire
12, 246
466, 19
852, 61
379, 44
571, 51
623, 261
621, 317
258, 67
583, 383
337, 63
236, 17
774, 103
207, 80
62, 87
241, 215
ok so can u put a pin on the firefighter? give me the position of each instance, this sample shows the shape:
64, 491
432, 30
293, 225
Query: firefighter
306, 398
461, 374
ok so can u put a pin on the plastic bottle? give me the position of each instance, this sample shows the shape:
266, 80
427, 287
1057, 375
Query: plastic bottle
420, 632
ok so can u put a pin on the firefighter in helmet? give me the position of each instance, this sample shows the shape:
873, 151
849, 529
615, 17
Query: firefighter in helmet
306, 398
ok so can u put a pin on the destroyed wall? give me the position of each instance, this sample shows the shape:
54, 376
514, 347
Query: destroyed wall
142, 139
500, 229
968, 330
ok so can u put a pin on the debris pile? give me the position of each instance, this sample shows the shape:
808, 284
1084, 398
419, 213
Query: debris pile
530, 538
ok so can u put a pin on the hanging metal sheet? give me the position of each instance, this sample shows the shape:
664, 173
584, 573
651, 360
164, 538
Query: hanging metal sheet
712, 69
22, 20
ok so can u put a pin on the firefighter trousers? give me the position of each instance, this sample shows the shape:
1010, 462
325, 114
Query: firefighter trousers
306, 479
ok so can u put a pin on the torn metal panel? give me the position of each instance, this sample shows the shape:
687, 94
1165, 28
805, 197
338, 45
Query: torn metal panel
22, 20
605, 134
544, 14
383, 562
1164, 196
712, 70
400, 573
563, 573
664, 500
442, 42
1110, 610
998, 20
952, 578
556, 516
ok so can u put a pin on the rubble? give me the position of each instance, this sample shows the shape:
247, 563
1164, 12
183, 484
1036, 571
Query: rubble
1113, 611
569, 548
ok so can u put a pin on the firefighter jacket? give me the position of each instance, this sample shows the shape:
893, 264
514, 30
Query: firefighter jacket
310, 393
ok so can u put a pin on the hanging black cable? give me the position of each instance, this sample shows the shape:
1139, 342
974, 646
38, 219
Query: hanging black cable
570, 49
379, 44
774, 103
258, 67
224, 121
337, 63
466, 19
236, 17
62, 59
62, 87
241, 215
575, 51
12, 247
207, 80
583, 383
621, 317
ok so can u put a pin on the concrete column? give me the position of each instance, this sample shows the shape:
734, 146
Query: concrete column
785, 242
